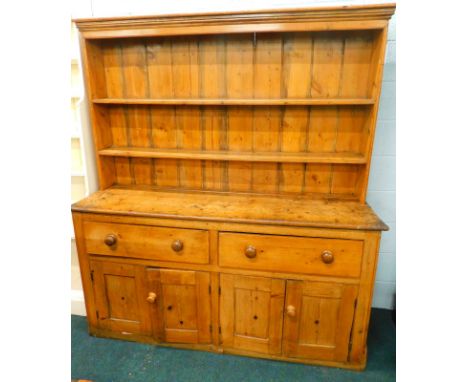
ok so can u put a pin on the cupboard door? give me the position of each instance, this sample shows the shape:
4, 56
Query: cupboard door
119, 291
182, 311
318, 320
251, 313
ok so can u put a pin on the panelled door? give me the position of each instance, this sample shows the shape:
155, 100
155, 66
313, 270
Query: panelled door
318, 320
251, 313
180, 305
120, 300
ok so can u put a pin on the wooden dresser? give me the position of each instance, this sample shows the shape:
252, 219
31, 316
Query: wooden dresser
233, 154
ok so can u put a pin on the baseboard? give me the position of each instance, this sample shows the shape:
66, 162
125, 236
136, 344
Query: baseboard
77, 302
384, 295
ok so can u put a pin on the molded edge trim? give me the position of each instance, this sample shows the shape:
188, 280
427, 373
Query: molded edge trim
315, 14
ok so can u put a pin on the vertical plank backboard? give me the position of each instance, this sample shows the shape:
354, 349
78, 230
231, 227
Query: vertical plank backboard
239, 84
357, 53
266, 120
186, 83
212, 64
135, 85
163, 121
296, 83
327, 65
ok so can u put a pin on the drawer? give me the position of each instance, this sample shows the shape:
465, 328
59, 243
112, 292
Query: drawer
328, 257
147, 242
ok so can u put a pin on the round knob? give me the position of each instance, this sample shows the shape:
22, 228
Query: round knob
250, 251
177, 245
291, 311
327, 257
110, 240
151, 297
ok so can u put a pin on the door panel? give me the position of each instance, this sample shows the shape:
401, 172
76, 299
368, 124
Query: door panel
119, 291
181, 312
251, 313
318, 320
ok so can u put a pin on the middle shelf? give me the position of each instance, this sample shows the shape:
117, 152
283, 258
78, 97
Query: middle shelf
289, 157
237, 101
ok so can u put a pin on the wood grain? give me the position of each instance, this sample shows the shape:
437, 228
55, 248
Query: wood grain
290, 254
347, 17
147, 242
262, 156
323, 321
163, 134
236, 101
182, 311
134, 77
297, 211
119, 291
251, 310
211, 98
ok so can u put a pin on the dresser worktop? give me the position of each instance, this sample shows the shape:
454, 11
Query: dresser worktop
292, 211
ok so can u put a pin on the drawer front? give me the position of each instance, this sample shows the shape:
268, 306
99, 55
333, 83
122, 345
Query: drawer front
328, 257
147, 242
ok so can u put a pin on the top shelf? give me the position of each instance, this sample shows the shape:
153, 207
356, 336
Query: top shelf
235, 101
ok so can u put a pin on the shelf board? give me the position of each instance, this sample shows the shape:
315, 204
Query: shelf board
343, 158
293, 210
235, 101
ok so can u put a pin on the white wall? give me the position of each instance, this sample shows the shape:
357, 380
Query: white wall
381, 191
381, 194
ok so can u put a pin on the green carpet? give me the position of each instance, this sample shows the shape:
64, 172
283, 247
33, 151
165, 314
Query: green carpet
103, 360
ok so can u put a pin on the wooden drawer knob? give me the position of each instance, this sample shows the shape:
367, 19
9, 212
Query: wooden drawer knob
110, 240
327, 257
291, 311
151, 297
250, 251
177, 245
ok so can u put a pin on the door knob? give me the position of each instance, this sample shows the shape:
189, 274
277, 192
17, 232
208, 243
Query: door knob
151, 297
291, 311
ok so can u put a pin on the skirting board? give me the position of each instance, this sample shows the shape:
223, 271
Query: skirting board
77, 303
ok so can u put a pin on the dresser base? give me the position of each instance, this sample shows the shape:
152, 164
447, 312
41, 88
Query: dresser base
258, 288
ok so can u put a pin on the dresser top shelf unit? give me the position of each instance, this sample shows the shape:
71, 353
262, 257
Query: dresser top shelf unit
208, 206
268, 102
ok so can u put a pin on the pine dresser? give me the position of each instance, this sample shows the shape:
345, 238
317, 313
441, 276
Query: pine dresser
233, 152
